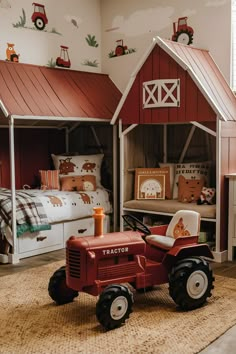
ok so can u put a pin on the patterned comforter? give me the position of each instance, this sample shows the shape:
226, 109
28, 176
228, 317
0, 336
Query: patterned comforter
30, 213
37, 209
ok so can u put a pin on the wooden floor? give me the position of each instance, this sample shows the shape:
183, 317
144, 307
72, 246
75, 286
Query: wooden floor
31, 262
227, 269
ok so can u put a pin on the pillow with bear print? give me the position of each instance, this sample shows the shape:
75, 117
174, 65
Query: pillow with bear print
192, 170
78, 183
190, 189
79, 165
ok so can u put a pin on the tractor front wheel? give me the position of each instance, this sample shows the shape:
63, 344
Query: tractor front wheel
58, 290
114, 306
39, 23
190, 283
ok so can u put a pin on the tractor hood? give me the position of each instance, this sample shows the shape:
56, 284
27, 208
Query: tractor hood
109, 245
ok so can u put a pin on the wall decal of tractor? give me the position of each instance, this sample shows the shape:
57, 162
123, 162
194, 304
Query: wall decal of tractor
63, 60
182, 33
121, 49
39, 17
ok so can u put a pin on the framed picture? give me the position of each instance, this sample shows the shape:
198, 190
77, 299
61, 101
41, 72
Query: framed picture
150, 183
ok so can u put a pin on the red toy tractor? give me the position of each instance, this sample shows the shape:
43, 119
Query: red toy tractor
114, 265
183, 33
39, 17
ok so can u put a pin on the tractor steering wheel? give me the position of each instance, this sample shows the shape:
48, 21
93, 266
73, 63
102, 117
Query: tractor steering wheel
136, 224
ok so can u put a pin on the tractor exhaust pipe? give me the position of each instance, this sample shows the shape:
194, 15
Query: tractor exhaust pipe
98, 221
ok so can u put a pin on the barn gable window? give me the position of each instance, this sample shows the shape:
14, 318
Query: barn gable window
161, 93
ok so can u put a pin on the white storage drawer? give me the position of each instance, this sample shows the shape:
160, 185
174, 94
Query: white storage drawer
83, 227
42, 239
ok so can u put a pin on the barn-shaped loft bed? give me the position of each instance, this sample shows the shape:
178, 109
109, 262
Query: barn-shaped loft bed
66, 111
178, 108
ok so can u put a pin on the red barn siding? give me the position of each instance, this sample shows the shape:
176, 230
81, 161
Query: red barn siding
159, 65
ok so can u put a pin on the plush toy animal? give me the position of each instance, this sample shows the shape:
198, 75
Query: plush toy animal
206, 196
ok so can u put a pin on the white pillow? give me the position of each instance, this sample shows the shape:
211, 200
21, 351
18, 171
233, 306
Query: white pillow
79, 165
192, 170
172, 174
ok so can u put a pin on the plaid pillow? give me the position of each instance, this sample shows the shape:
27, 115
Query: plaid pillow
49, 179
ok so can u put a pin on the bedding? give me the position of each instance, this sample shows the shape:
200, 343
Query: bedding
30, 213
66, 205
46, 207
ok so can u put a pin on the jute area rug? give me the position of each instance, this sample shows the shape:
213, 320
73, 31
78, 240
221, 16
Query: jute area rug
31, 323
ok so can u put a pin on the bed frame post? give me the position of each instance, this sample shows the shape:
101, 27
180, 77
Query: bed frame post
115, 198
13, 257
121, 137
122, 171
218, 189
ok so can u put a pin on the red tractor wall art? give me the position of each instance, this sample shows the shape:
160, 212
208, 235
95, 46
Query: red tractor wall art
63, 60
121, 49
39, 17
182, 33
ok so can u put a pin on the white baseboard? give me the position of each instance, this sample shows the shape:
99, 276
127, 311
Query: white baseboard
13, 258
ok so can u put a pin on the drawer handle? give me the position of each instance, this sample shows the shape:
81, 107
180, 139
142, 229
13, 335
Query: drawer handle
41, 238
81, 231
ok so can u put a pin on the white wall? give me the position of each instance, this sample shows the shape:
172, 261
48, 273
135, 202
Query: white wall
138, 21
72, 19
134, 21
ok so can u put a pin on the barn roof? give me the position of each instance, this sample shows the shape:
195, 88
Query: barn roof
203, 71
39, 95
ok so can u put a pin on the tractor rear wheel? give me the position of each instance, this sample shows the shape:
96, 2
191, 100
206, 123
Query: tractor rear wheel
120, 50
190, 283
39, 23
58, 290
114, 306
184, 37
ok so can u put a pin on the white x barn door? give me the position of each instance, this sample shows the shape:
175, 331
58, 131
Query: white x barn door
161, 93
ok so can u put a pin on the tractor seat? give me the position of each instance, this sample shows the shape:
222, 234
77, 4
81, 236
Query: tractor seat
164, 242
183, 223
